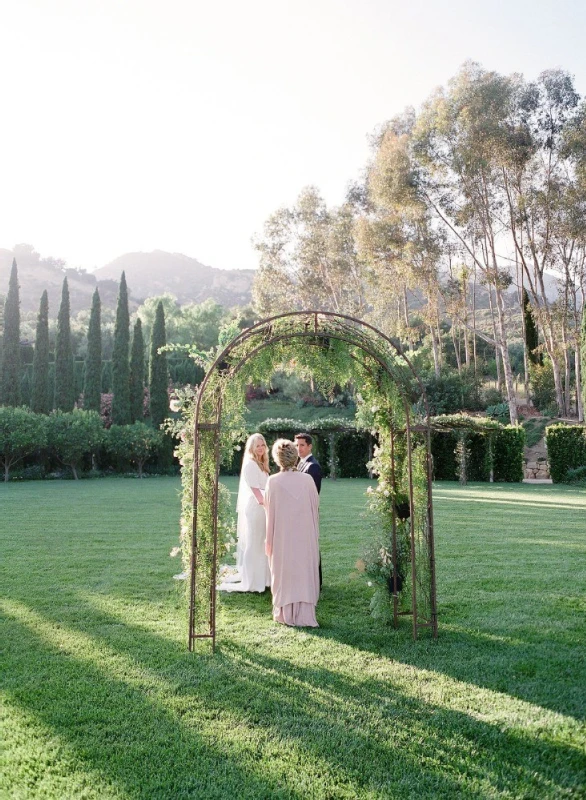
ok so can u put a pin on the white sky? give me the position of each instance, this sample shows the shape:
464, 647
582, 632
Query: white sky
181, 125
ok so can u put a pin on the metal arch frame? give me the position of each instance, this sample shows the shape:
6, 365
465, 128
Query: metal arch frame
312, 318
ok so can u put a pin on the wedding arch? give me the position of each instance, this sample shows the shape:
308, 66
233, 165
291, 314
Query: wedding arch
331, 349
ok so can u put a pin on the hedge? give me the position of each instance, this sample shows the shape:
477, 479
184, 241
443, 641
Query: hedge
354, 447
508, 454
508, 444
566, 449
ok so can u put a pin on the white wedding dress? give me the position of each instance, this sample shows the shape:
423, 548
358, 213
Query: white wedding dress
253, 565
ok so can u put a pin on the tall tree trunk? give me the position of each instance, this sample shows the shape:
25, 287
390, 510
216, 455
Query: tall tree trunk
474, 320
578, 369
439, 339
520, 295
499, 379
434, 348
504, 348
465, 330
567, 394
456, 349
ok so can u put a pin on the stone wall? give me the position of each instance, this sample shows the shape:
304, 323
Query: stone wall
537, 468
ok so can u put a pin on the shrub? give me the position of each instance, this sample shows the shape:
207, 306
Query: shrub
566, 449
73, 435
21, 433
543, 386
135, 442
35, 472
499, 411
492, 397
577, 475
452, 392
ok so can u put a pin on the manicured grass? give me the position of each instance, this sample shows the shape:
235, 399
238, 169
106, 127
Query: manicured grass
102, 699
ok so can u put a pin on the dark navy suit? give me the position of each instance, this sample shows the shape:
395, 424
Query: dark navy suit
312, 467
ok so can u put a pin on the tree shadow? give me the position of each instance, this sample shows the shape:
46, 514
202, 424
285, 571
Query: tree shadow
198, 725
525, 663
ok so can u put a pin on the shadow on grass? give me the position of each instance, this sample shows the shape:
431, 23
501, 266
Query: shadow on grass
179, 725
541, 665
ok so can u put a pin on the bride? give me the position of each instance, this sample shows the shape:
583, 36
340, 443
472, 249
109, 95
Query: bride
253, 566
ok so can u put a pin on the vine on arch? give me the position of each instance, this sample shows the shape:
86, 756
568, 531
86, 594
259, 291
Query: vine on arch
331, 351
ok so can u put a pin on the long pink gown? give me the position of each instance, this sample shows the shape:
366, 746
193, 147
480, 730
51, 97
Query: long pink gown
292, 506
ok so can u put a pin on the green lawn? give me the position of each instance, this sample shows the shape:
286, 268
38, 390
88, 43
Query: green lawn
102, 699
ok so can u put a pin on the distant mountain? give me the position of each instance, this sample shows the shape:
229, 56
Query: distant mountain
151, 274
147, 275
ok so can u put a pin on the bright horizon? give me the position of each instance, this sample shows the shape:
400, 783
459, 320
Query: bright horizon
136, 126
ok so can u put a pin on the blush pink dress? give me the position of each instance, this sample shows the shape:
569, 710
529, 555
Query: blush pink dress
292, 506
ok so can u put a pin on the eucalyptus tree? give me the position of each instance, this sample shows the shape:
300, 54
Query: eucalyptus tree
308, 259
539, 187
455, 139
582, 387
147, 312
406, 248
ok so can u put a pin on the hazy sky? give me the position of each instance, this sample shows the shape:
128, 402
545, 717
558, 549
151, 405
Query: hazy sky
181, 125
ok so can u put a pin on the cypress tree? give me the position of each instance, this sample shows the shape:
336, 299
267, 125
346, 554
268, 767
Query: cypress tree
137, 374
64, 394
10, 384
92, 387
531, 335
120, 356
158, 373
41, 399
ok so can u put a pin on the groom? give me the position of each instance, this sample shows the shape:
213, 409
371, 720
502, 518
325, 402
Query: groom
309, 463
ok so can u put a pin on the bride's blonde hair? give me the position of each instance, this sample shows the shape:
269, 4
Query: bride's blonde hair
249, 451
285, 453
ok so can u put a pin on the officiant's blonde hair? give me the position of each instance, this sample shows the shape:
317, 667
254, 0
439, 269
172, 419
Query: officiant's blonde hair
250, 452
285, 453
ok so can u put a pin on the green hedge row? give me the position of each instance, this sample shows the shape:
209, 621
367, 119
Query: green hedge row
505, 445
566, 449
501, 448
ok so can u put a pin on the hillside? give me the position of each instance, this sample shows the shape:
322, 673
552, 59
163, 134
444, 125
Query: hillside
147, 275
150, 274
